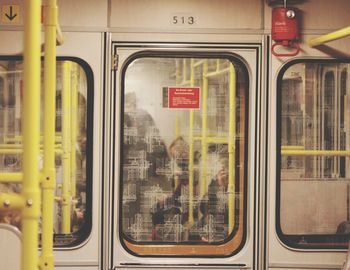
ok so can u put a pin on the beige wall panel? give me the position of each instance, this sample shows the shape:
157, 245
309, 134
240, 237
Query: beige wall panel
89, 14
208, 14
83, 13
319, 14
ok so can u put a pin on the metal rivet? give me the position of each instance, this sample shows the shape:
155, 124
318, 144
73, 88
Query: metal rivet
7, 203
29, 202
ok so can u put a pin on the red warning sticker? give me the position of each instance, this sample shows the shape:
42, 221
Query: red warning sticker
184, 97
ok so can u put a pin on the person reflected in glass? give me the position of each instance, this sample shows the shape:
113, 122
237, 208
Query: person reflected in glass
171, 218
213, 223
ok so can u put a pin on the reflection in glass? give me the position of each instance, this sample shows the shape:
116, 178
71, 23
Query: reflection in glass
314, 179
70, 145
177, 167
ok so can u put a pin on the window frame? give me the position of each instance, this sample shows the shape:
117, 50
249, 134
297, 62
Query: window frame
192, 249
84, 232
319, 241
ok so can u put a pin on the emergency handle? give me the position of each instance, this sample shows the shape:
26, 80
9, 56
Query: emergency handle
291, 45
285, 30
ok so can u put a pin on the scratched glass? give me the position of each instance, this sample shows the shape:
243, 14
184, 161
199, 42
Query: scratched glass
71, 222
180, 183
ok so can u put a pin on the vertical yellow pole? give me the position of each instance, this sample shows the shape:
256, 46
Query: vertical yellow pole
191, 156
203, 184
6, 111
31, 132
73, 128
231, 147
177, 82
66, 189
49, 173
184, 70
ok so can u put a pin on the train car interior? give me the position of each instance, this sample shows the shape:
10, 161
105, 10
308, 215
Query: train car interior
184, 134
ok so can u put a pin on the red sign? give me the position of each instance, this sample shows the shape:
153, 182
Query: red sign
184, 97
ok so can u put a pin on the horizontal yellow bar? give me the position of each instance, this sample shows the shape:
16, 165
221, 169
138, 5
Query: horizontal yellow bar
19, 138
58, 151
329, 37
293, 147
217, 73
59, 36
11, 72
11, 201
12, 177
20, 146
11, 151
315, 153
198, 63
212, 139
185, 83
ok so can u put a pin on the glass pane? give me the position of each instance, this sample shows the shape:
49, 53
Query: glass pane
70, 145
180, 181
314, 181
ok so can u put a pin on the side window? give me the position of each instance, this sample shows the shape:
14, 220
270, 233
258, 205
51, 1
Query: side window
72, 222
313, 155
183, 159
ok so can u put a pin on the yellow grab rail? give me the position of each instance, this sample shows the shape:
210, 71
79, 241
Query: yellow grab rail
329, 37
231, 148
191, 157
73, 128
49, 170
204, 144
19, 138
31, 133
10, 151
11, 201
59, 35
11, 177
66, 187
315, 152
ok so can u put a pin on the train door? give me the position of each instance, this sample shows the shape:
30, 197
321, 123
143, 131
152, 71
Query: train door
182, 140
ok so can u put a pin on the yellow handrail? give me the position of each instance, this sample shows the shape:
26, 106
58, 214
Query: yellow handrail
204, 144
329, 37
315, 152
66, 187
16, 150
11, 151
177, 117
19, 138
231, 148
12, 201
212, 139
49, 171
218, 72
11, 177
206, 138
59, 35
20, 146
73, 128
191, 155
31, 133
293, 147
